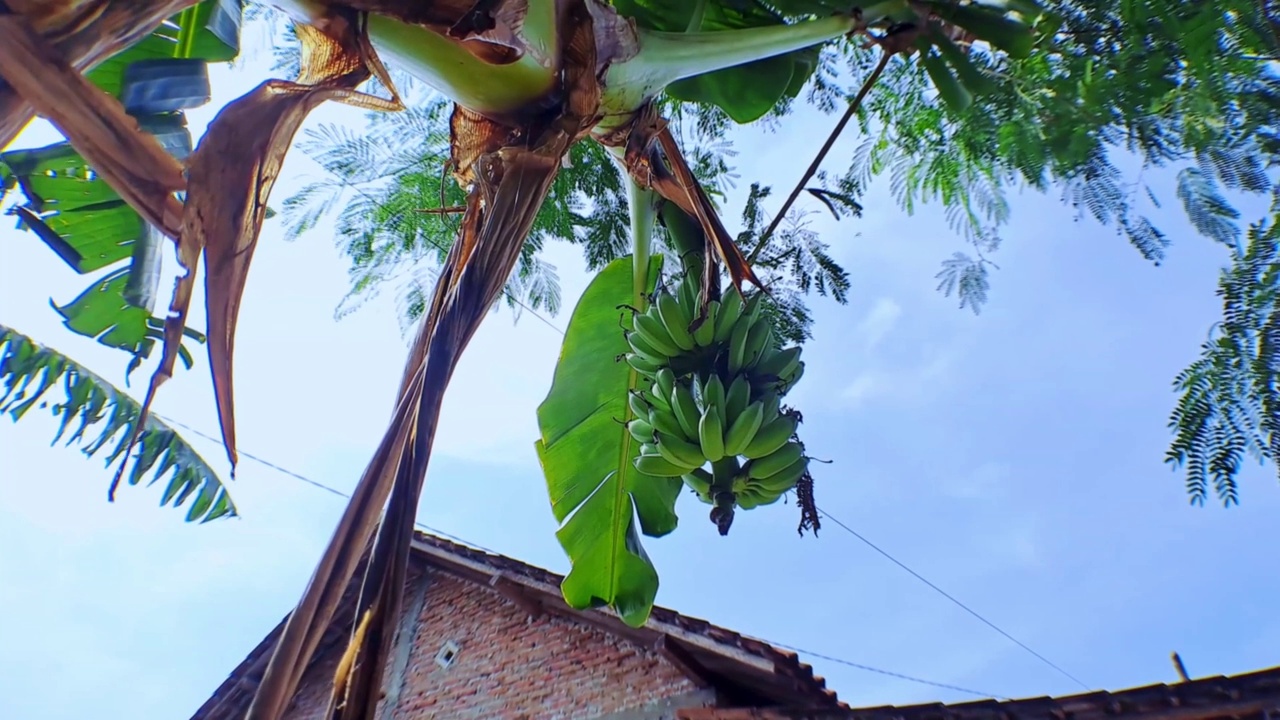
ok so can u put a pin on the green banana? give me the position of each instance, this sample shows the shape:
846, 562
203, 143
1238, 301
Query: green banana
640, 346
685, 409
758, 339
713, 398
730, 310
665, 421
770, 437
710, 435
652, 330
772, 406
680, 451
675, 320
689, 287
656, 399
641, 365
658, 466
743, 429
706, 332
636, 402
737, 397
766, 466
738, 345
786, 478
790, 382
761, 497
664, 381
769, 499
753, 308
641, 430
699, 480
779, 364
747, 500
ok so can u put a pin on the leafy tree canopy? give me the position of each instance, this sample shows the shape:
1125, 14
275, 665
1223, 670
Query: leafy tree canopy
1109, 92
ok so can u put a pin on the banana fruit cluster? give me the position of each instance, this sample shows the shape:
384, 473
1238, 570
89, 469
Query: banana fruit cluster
713, 395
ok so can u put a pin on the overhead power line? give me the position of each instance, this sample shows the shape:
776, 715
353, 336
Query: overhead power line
889, 673
435, 531
952, 598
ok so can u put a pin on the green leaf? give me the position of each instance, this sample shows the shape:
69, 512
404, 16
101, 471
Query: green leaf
745, 92
55, 177
217, 36
101, 312
991, 25
970, 76
949, 89
587, 457
213, 36
29, 370
109, 74
89, 238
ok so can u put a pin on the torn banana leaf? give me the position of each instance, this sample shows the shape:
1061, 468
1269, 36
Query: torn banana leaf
587, 455
93, 413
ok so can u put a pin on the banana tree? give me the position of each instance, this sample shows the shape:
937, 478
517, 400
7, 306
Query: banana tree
657, 378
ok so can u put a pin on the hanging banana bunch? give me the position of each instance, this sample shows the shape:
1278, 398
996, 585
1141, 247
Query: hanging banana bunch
714, 396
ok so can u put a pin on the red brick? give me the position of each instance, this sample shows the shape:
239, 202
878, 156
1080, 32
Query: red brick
509, 666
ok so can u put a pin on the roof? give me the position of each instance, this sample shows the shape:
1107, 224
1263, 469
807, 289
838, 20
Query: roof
1248, 696
752, 670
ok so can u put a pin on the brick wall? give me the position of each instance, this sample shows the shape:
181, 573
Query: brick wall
511, 666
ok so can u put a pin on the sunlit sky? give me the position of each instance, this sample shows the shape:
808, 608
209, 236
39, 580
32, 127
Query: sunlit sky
1015, 459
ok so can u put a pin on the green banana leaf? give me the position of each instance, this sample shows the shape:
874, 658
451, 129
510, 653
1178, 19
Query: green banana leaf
209, 31
90, 227
587, 457
29, 370
992, 23
745, 92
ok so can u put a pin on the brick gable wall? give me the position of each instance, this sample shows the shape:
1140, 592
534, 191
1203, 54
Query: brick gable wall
511, 665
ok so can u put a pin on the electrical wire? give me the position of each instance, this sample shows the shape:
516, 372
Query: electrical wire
880, 671
435, 531
952, 598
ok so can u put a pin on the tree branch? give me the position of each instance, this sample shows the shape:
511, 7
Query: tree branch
822, 153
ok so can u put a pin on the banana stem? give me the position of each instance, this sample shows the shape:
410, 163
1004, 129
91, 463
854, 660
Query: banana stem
666, 57
454, 72
644, 208
723, 473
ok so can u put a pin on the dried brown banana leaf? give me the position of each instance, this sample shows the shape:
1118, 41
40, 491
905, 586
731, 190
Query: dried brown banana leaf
231, 174
507, 184
84, 32
132, 162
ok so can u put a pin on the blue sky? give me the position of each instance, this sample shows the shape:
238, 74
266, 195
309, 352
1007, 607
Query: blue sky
1014, 459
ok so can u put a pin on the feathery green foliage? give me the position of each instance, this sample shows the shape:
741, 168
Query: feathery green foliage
1229, 403
388, 185
1149, 84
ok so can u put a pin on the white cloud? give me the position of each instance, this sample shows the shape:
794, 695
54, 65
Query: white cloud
904, 384
878, 322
